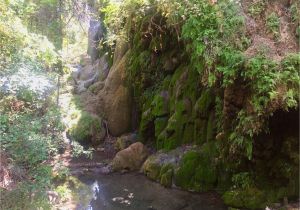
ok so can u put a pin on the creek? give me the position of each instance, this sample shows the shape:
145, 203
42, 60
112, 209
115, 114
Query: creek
134, 191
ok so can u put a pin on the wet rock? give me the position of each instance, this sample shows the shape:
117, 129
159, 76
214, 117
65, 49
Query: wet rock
130, 158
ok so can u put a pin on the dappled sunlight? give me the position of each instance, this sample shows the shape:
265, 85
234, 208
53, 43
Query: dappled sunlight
26, 79
149, 104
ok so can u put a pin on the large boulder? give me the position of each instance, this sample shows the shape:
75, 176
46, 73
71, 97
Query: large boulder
115, 97
130, 158
88, 128
161, 165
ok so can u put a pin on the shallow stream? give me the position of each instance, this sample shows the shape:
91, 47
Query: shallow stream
135, 192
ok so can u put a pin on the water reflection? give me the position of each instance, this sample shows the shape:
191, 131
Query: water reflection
135, 192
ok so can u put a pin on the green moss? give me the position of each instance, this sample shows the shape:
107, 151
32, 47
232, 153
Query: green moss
257, 7
166, 82
160, 106
210, 131
85, 127
204, 103
273, 24
152, 168
251, 198
197, 170
188, 134
146, 120
185, 173
205, 176
160, 140
192, 86
173, 136
160, 124
179, 71
165, 168
166, 178
200, 129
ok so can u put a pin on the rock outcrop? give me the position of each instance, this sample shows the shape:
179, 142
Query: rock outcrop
115, 97
130, 158
89, 74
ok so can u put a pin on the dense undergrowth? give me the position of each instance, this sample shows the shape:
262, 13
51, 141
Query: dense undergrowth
199, 77
31, 125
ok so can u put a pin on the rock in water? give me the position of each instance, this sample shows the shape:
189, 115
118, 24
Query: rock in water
130, 158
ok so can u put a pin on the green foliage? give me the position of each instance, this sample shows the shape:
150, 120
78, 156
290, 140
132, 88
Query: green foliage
265, 76
242, 180
273, 24
209, 29
85, 127
212, 60
29, 136
257, 7
231, 62
295, 12
15, 40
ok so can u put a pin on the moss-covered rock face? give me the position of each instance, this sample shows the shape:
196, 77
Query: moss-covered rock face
166, 178
87, 129
183, 99
251, 198
152, 167
197, 170
160, 166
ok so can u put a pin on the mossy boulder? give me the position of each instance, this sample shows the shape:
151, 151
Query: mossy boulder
251, 198
197, 170
166, 178
186, 171
160, 166
87, 129
151, 168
